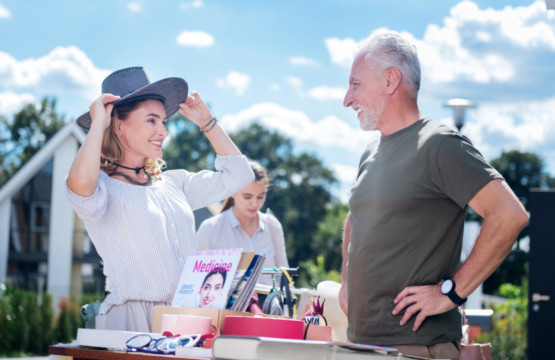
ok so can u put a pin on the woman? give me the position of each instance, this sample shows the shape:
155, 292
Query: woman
242, 225
210, 292
139, 218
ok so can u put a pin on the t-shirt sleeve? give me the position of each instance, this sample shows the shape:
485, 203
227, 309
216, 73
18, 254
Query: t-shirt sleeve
206, 187
460, 171
90, 208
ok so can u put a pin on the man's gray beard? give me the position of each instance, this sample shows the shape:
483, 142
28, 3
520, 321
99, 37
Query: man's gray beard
368, 123
370, 117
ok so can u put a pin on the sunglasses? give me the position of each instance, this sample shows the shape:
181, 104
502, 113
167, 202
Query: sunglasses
163, 345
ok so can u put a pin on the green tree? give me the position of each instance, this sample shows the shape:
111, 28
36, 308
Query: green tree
188, 148
23, 137
329, 237
522, 171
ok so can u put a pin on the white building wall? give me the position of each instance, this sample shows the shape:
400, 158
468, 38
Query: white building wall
471, 230
61, 223
4, 237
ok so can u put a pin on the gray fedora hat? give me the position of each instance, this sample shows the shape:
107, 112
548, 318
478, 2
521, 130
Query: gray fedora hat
133, 83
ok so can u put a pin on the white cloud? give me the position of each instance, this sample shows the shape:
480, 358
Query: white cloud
134, 6
487, 46
195, 39
11, 102
344, 173
294, 81
324, 93
236, 81
4, 12
493, 54
195, 4
527, 126
327, 132
341, 51
63, 70
300, 60
346, 176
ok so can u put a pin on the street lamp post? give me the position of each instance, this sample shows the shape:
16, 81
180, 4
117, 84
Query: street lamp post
459, 107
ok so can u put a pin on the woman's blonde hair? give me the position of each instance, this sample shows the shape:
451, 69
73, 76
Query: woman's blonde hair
260, 175
112, 148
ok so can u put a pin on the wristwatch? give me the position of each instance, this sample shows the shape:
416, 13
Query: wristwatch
448, 288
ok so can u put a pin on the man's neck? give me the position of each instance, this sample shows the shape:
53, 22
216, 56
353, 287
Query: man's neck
397, 117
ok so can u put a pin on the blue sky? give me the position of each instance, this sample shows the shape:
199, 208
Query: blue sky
286, 63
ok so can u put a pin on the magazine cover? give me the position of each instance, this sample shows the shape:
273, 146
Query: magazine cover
206, 278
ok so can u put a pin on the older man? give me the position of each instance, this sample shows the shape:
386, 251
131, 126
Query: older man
402, 279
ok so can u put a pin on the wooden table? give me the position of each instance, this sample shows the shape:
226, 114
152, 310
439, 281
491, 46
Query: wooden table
84, 353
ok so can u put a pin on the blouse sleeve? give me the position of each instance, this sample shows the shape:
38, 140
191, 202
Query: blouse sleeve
90, 208
206, 187
204, 234
279, 242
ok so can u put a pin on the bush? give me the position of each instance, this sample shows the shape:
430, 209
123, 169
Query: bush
509, 338
28, 324
312, 273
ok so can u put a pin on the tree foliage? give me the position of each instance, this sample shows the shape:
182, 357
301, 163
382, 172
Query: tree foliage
522, 171
23, 137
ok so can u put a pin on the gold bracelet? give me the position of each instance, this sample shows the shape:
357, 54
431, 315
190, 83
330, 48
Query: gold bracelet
211, 123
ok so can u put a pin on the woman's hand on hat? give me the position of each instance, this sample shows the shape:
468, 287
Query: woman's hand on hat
195, 110
101, 110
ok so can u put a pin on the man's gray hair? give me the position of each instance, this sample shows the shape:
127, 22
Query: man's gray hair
389, 49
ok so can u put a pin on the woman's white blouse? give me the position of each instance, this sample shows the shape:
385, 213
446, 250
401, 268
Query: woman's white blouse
224, 231
144, 233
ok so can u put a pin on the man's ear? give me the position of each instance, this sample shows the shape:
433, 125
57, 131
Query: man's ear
393, 79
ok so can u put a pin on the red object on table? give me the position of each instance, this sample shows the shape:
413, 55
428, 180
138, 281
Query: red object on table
263, 326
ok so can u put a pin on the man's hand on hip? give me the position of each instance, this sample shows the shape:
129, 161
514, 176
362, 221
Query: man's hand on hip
422, 301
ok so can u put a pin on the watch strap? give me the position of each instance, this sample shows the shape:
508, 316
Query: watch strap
452, 295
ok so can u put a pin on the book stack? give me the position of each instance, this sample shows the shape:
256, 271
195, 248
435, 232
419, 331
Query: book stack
246, 276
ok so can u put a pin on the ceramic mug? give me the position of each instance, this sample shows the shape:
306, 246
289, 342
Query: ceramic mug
169, 323
192, 324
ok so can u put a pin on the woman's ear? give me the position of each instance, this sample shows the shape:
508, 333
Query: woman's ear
117, 126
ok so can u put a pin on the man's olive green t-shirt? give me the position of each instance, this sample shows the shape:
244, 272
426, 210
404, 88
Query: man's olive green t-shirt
407, 215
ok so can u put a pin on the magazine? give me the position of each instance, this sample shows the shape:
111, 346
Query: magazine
206, 278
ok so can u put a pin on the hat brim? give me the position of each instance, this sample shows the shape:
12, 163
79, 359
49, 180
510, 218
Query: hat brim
173, 90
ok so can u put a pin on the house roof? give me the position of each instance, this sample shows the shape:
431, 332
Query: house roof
36, 163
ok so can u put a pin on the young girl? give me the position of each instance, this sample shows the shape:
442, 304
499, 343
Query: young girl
242, 225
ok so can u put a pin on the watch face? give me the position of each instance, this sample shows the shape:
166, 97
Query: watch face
446, 286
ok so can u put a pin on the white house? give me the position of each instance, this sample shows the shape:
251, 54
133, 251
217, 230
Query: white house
36, 222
